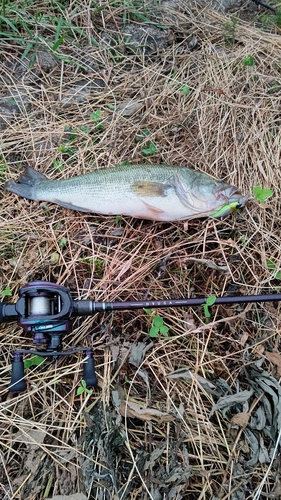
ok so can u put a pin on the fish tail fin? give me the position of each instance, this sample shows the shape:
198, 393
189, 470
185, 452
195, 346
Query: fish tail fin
25, 184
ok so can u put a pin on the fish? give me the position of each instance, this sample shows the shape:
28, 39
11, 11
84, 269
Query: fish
156, 192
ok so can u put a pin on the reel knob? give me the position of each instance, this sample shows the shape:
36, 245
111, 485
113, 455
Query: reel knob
17, 384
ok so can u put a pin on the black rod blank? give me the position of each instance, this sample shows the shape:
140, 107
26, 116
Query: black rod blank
92, 307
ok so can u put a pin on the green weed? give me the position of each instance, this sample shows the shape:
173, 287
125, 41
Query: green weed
57, 165
54, 259
149, 150
209, 302
142, 134
6, 292
185, 90
82, 389
272, 267
96, 262
96, 119
274, 87
33, 361
248, 61
243, 240
67, 150
229, 32
158, 327
62, 242
118, 219
262, 194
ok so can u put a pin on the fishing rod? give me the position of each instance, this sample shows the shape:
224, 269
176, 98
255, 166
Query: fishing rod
265, 5
46, 310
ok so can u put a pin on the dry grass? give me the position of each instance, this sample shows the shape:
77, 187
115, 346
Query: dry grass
53, 441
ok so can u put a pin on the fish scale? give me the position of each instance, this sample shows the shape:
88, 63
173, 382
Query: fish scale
156, 192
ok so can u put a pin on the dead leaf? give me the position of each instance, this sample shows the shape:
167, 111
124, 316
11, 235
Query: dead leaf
188, 374
30, 436
33, 459
128, 108
124, 268
210, 263
275, 359
244, 338
119, 353
150, 462
258, 351
189, 322
138, 351
226, 402
240, 419
135, 410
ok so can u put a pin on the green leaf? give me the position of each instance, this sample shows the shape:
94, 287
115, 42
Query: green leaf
147, 310
140, 136
33, 361
164, 329
150, 150
54, 259
96, 115
85, 129
153, 332
261, 194
270, 264
272, 267
206, 311
58, 42
158, 321
80, 390
211, 300
62, 242
185, 89
6, 293
248, 61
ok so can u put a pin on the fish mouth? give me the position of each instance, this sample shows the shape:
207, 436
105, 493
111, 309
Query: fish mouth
233, 201
236, 197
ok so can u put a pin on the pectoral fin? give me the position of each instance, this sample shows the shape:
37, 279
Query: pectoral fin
150, 188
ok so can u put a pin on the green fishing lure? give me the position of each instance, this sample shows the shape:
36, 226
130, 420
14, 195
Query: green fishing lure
226, 210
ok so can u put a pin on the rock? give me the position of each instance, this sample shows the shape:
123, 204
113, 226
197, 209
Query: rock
145, 39
46, 61
12, 105
80, 92
137, 39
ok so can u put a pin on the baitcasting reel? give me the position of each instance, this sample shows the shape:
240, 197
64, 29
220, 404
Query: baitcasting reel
46, 310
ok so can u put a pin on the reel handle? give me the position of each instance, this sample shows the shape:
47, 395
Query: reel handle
89, 374
17, 384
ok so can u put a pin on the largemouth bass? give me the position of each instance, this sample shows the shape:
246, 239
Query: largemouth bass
156, 192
